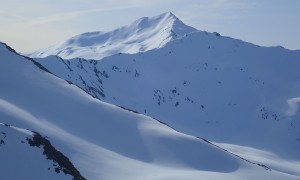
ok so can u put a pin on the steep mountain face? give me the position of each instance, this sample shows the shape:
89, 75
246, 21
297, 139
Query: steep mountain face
235, 93
101, 140
142, 35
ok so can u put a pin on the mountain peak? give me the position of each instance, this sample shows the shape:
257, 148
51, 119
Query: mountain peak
168, 15
165, 20
160, 17
142, 35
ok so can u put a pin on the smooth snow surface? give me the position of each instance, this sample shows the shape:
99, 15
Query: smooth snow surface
206, 85
142, 35
102, 140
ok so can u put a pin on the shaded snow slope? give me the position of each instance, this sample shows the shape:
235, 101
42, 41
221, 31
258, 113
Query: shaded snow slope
142, 35
206, 85
21, 160
104, 141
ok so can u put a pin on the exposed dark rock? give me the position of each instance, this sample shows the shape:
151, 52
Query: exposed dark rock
258, 164
268, 114
67, 64
80, 65
38, 65
2, 141
97, 72
69, 82
64, 164
94, 91
83, 82
136, 74
115, 68
159, 96
174, 91
217, 34
105, 74
129, 109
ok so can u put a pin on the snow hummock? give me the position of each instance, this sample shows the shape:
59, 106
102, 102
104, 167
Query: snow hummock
142, 35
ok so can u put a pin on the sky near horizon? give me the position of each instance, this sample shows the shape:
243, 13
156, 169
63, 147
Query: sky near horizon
34, 24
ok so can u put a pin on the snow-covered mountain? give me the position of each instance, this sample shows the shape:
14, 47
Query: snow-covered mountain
180, 104
242, 96
100, 140
142, 35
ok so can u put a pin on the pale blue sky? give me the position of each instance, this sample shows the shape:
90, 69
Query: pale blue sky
33, 24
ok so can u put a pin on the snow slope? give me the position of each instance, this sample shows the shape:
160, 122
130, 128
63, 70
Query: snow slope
142, 35
21, 159
104, 141
226, 90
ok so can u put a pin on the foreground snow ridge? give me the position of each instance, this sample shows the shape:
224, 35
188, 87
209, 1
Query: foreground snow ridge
13, 140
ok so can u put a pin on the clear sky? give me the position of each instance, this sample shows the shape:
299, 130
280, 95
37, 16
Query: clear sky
28, 25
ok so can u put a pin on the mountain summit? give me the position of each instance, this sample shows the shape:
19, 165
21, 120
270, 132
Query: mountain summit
144, 34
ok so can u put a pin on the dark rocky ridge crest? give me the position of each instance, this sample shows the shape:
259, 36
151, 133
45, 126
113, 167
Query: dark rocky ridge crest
63, 163
28, 58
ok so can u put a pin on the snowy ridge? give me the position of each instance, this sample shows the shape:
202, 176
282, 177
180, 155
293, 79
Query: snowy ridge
100, 138
208, 86
142, 35
20, 147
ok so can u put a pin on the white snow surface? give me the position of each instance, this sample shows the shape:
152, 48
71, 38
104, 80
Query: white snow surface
102, 140
142, 35
205, 85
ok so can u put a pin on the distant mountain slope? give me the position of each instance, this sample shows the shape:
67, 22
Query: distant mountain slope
102, 140
207, 85
142, 35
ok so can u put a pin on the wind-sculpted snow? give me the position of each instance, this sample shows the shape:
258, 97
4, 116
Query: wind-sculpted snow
142, 35
102, 140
